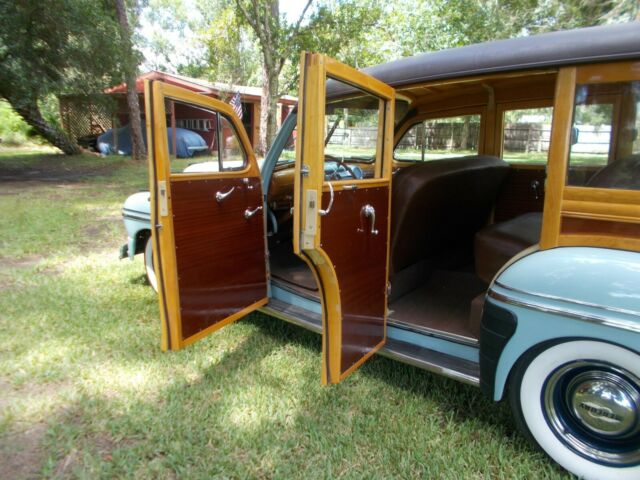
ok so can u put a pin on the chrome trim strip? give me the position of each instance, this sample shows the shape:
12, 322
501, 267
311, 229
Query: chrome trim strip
384, 351
430, 367
567, 300
632, 327
126, 214
450, 337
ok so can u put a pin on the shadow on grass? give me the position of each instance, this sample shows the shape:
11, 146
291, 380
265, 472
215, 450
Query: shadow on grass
247, 402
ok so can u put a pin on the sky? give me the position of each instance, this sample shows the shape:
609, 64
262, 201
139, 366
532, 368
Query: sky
183, 47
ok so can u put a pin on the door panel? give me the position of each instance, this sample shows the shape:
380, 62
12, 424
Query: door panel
209, 235
362, 276
518, 194
220, 261
341, 226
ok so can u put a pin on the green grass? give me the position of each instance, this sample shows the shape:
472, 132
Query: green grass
87, 393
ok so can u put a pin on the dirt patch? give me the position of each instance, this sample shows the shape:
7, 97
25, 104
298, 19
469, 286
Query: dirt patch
49, 170
22, 454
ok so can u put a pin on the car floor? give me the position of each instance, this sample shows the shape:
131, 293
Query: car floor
442, 303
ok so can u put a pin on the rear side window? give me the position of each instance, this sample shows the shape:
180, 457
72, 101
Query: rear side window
605, 149
525, 135
439, 138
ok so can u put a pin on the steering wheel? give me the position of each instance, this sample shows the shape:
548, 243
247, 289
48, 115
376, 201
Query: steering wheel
342, 163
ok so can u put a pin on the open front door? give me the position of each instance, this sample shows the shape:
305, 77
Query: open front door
207, 214
342, 197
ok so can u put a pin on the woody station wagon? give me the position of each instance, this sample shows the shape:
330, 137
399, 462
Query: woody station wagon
474, 212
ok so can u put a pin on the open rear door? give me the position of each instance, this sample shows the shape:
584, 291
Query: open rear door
207, 214
342, 198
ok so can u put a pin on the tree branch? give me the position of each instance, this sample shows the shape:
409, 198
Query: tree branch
292, 37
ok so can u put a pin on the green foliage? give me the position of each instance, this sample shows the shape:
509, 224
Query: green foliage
13, 129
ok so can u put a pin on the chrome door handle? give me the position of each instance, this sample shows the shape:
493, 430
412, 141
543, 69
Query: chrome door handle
220, 196
369, 212
326, 212
248, 213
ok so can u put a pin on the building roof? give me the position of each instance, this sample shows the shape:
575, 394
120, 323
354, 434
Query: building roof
198, 85
569, 47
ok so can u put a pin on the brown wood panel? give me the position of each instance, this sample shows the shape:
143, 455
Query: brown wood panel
220, 255
360, 261
517, 195
590, 227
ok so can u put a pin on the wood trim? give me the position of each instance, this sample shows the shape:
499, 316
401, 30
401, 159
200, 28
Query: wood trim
558, 152
607, 73
230, 319
163, 225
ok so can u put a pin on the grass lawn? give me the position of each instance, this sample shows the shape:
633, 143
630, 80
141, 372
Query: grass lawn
86, 392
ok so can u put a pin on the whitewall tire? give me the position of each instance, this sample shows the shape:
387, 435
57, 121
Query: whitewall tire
580, 402
148, 264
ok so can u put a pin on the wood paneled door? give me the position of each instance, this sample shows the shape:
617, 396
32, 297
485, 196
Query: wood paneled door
341, 220
207, 214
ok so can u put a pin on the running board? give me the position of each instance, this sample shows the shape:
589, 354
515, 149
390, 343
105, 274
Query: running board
459, 369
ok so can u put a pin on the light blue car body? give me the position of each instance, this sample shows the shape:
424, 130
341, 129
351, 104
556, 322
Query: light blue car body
558, 294
568, 293
136, 213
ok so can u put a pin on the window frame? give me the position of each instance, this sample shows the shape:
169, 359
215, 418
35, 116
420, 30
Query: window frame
503, 107
442, 114
573, 216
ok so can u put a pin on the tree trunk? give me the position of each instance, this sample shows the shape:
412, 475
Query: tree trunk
137, 144
31, 114
268, 109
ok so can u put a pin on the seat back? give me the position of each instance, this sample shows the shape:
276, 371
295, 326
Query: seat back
622, 173
438, 206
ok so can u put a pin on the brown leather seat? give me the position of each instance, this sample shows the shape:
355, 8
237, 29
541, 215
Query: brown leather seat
623, 173
498, 243
437, 207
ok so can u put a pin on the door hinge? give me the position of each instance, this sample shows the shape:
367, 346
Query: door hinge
305, 170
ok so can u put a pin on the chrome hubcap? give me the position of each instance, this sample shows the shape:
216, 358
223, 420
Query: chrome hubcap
594, 408
605, 403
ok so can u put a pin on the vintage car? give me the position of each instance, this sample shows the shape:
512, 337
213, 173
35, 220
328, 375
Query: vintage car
474, 212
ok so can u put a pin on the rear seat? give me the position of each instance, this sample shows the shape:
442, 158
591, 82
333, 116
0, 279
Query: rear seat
437, 207
496, 244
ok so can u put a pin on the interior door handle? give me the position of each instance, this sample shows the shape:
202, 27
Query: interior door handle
369, 212
248, 213
326, 212
220, 196
535, 186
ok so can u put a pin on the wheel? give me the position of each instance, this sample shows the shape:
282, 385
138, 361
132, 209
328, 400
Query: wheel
148, 264
580, 402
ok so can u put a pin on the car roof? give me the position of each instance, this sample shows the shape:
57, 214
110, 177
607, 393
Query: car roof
568, 47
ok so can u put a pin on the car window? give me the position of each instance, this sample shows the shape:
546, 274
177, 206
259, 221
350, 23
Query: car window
605, 149
440, 138
525, 135
203, 140
288, 153
351, 127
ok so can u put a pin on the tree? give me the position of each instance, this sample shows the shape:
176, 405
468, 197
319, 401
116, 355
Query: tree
276, 38
130, 67
51, 47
